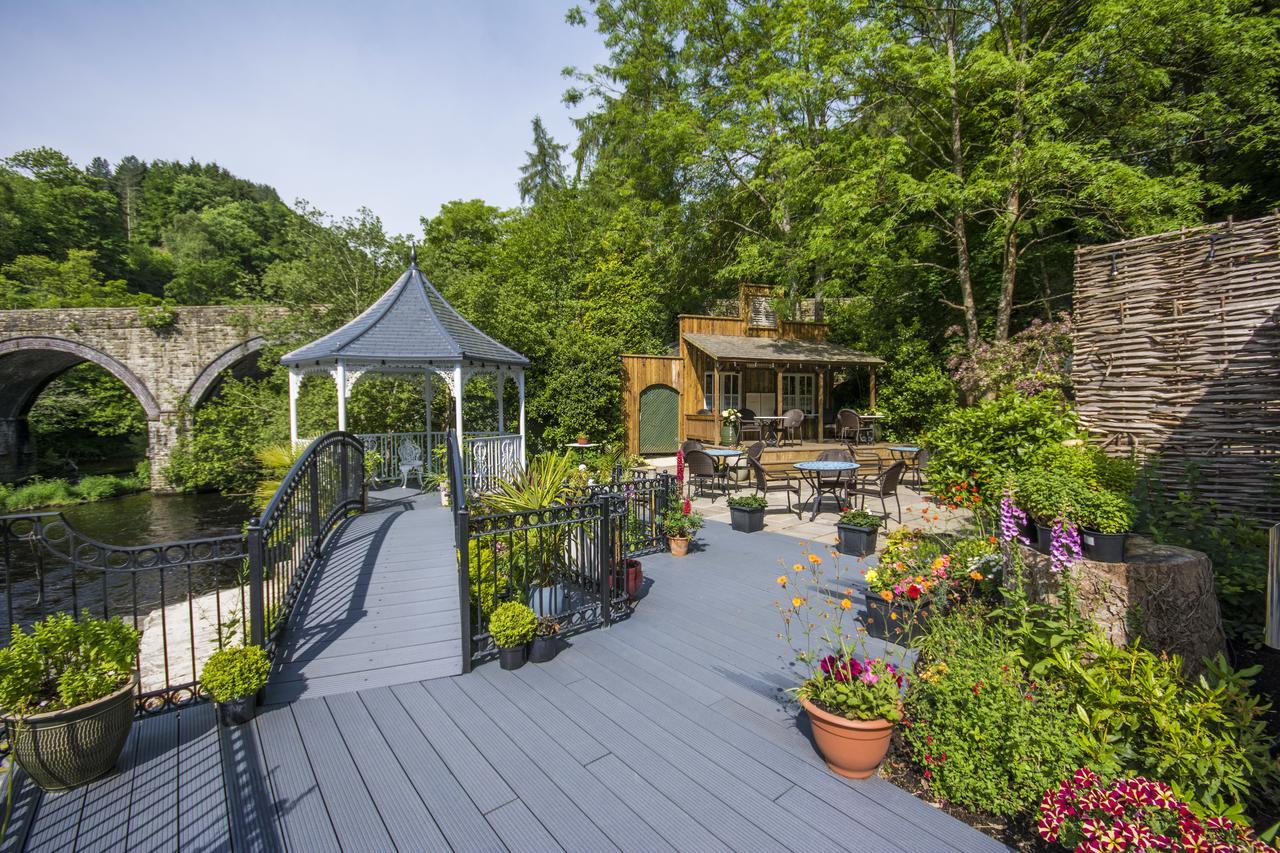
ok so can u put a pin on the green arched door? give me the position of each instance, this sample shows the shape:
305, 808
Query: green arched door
659, 419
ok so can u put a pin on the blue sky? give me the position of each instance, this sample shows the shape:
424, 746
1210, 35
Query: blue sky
398, 107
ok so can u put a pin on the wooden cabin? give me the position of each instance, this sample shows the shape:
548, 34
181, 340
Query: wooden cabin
754, 360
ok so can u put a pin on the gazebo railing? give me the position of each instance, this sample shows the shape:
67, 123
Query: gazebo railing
486, 459
486, 456
386, 446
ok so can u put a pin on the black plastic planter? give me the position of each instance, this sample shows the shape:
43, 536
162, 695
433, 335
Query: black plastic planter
746, 520
1043, 538
856, 541
237, 712
542, 650
511, 658
894, 623
1103, 547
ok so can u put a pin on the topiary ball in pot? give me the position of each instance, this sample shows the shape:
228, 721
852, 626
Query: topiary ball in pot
512, 626
233, 676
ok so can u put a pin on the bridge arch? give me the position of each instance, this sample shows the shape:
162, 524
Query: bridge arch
231, 358
26, 368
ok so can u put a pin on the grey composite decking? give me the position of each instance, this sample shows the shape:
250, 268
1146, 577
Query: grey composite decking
663, 732
380, 609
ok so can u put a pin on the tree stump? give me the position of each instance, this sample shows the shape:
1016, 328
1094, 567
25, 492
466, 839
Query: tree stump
1162, 594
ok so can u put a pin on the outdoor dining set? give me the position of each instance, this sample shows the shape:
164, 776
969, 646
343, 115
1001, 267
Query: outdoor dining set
846, 475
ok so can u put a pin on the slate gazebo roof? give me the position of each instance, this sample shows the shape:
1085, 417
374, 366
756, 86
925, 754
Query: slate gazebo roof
410, 323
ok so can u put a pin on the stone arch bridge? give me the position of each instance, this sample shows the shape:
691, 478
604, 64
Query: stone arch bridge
170, 368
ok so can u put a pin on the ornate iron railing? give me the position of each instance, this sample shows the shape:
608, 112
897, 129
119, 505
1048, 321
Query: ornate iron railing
323, 487
569, 561
187, 598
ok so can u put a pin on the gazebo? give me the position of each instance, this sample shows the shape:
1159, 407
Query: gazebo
412, 330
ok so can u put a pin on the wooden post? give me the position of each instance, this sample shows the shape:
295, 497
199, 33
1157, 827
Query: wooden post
872, 386
715, 397
778, 389
819, 380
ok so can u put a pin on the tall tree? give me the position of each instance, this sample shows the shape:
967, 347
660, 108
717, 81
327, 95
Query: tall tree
543, 171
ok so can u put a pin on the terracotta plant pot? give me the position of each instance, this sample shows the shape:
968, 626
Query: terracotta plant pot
635, 579
679, 545
851, 748
582, 439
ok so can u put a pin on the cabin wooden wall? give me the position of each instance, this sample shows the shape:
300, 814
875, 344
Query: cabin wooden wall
638, 373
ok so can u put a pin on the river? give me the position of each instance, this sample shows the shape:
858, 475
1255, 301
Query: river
145, 518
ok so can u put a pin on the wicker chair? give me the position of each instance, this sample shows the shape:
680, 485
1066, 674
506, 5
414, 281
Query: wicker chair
748, 425
740, 471
701, 470
792, 424
834, 479
686, 446
766, 482
863, 431
881, 487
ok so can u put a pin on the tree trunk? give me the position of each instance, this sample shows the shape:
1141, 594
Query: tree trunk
958, 222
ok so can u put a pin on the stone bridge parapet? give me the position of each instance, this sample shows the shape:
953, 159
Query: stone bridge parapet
170, 359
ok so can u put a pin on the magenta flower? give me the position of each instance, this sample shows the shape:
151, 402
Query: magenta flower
1010, 519
1064, 546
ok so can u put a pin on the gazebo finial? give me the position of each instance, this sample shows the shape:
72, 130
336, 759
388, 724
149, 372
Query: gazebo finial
413, 254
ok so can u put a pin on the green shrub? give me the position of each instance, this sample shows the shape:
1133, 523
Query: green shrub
62, 663
987, 735
860, 518
749, 502
1142, 717
235, 672
512, 624
1091, 465
100, 487
1102, 511
984, 443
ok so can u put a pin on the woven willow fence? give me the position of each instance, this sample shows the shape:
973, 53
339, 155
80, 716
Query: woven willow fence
1177, 352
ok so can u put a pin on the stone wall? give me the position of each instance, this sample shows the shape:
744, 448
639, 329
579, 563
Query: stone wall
1161, 594
167, 367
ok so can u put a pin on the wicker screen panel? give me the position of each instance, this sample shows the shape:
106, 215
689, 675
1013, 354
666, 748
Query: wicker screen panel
1177, 352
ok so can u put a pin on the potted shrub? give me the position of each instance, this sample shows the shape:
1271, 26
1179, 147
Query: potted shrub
857, 530
852, 702
1105, 520
582, 438
746, 514
1044, 495
67, 696
913, 572
544, 647
233, 676
512, 626
680, 524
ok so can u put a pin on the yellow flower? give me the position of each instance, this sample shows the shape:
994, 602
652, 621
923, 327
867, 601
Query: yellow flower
815, 559
797, 601
797, 568
845, 604
886, 594
782, 580
872, 575
893, 615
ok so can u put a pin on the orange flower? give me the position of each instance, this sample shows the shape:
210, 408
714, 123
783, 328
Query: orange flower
797, 568
815, 559
976, 575
782, 580
797, 601
993, 540
886, 594
893, 615
845, 604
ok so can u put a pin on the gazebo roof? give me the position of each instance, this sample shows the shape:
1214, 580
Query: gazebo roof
411, 322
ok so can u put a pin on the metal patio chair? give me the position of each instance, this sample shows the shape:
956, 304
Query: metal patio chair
410, 460
881, 487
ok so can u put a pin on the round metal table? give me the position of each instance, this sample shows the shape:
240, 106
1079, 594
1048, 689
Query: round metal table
907, 454
772, 423
813, 474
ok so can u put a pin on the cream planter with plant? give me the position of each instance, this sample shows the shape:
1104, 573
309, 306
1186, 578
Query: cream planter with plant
512, 626
233, 676
67, 696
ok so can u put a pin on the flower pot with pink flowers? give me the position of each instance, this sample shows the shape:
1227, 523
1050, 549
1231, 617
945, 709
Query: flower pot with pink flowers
852, 702
680, 524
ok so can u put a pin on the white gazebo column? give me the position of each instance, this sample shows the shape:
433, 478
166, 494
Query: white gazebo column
340, 376
502, 388
295, 383
458, 385
520, 386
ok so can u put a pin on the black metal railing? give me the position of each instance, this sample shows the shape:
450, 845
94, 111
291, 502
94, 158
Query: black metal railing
324, 486
567, 561
185, 597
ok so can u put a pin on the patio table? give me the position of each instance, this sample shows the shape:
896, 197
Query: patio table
772, 424
907, 453
812, 473
722, 456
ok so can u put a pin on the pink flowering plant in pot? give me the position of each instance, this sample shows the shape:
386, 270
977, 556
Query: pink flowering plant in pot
1089, 816
853, 702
